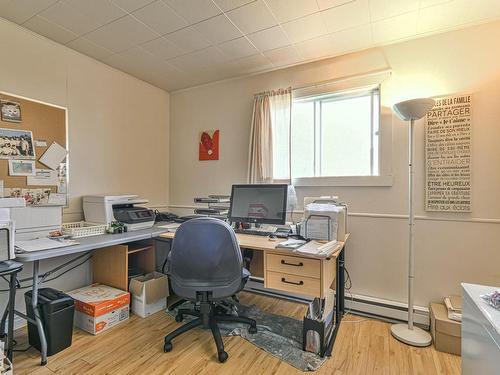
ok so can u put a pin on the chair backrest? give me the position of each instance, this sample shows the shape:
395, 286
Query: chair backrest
205, 256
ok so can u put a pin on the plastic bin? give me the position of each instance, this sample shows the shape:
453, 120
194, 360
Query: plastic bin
57, 310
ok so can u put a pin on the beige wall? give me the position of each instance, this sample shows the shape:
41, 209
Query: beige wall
118, 125
448, 252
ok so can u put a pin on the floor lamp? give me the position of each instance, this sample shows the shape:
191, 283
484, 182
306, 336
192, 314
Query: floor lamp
411, 110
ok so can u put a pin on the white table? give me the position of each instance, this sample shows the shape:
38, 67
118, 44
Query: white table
480, 332
85, 245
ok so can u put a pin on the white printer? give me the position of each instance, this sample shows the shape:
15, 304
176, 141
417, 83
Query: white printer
107, 208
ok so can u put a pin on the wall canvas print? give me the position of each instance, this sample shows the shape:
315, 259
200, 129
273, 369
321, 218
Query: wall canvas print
11, 111
16, 144
209, 145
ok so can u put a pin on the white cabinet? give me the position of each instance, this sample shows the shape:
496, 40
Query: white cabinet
480, 332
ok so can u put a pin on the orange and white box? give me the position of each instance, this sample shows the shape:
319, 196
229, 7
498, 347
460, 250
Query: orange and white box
99, 307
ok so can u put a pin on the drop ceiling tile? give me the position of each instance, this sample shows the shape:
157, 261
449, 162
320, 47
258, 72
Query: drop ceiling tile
252, 17
316, 48
70, 18
162, 48
188, 39
395, 28
354, 39
442, 16
287, 10
160, 17
269, 38
50, 30
19, 11
305, 28
103, 11
430, 3
121, 34
89, 48
482, 10
207, 58
131, 5
345, 16
327, 4
194, 10
255, 63
381, 9
218, 29
237, 48
283, 56
226, 5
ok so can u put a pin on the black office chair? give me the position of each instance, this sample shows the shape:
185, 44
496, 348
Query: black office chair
205, 266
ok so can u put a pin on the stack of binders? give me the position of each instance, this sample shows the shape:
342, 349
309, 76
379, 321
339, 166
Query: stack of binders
218, 206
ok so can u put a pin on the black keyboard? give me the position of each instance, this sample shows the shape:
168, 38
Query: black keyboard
257, 232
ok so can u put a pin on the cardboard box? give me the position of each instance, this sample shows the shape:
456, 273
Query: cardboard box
446, 333
99, 307
149, 293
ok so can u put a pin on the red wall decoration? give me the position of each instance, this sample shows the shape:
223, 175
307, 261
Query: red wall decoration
209, 145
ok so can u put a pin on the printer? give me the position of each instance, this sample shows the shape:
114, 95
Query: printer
107, 208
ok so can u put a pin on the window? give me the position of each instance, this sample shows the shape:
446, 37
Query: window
332, 135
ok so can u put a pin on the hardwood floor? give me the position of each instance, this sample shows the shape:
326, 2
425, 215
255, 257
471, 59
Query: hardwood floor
363, 346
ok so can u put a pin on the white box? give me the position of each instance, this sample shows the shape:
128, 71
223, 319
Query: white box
99, 307
149, 294
101, 323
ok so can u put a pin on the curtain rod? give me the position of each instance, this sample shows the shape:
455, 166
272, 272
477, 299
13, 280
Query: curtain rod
274, 92
346, 78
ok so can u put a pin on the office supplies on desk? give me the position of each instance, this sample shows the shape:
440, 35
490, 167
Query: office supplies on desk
108, 208
42, 244
290, 244
317, 248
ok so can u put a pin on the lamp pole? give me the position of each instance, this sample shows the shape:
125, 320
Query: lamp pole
411, 223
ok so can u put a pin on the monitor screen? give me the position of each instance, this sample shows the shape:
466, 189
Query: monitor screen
264, 204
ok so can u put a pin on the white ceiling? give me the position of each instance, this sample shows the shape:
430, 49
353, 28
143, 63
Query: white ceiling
180, 43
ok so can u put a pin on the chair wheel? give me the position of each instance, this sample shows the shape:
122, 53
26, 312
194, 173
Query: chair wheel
167, 347
179, 318
222, 357
252, 329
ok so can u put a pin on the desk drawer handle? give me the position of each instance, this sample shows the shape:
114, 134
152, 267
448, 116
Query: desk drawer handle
283, 280
291, 264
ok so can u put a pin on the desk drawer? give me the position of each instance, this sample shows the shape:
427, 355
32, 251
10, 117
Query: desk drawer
294, 265
293, 283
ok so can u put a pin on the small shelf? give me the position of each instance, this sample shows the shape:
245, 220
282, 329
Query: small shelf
138, 249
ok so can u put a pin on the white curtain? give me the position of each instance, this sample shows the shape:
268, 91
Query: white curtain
269, 156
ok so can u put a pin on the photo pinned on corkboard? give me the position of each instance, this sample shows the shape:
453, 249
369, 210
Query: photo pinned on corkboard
10, 111
209, 145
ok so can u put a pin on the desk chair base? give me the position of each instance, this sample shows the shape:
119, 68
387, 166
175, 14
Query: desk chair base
208, 316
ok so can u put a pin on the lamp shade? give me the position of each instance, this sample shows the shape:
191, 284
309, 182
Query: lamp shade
413, 109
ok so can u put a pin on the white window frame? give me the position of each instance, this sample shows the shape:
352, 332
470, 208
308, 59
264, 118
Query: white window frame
384, 176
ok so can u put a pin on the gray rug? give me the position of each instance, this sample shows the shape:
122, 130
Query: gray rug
278, 335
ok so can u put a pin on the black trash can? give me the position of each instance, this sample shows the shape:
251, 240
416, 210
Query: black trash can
57, 310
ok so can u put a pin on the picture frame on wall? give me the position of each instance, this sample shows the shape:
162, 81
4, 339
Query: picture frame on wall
21, 167
10, 111
16, 144
208, 148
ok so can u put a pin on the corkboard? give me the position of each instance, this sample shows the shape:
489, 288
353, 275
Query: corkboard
46, 122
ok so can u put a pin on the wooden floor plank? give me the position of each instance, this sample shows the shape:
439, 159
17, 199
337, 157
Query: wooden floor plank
363, 346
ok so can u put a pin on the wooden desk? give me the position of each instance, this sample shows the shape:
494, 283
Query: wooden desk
289, 271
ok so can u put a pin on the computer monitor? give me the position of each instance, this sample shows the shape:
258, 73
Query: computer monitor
258, 203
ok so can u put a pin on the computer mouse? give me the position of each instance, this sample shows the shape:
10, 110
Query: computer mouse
272, 237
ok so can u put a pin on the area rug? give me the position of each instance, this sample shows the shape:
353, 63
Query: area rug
278, 335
